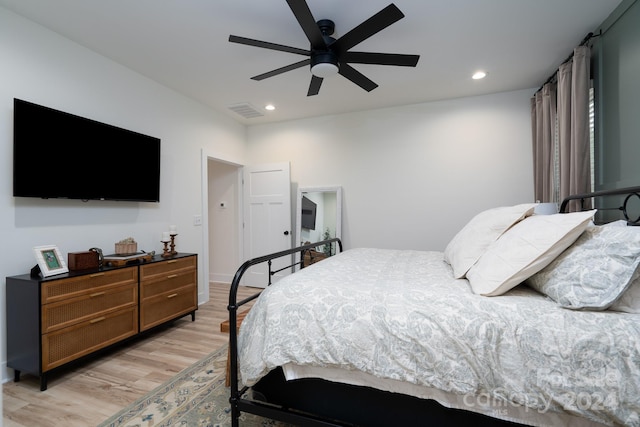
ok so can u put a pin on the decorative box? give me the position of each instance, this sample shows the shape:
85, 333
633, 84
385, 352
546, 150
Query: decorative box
126, 248
82, 260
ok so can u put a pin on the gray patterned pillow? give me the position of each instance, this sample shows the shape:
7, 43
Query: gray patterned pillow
593, 272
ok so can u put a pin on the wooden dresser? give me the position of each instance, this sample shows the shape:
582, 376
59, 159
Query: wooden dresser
55, 320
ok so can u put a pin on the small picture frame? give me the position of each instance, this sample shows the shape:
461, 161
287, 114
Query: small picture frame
50, 260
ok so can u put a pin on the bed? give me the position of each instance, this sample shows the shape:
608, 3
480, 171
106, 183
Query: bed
523, 319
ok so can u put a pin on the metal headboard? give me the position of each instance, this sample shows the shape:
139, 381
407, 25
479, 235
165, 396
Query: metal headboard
629, 191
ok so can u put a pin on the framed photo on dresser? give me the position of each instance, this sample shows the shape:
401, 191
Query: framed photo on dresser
50, 260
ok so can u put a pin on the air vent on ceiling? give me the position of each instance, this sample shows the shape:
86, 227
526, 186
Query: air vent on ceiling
246, 110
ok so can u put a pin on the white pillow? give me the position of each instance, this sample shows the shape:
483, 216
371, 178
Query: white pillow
525, 249
469, 244
593, 272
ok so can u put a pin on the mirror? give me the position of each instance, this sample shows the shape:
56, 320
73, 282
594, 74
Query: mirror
318, 217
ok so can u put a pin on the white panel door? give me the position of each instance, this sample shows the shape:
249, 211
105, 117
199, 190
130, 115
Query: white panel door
267, 219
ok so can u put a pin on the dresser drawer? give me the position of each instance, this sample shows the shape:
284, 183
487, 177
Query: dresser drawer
167, 283
65, 288
167, 267
63, 313
160, 308
75, 341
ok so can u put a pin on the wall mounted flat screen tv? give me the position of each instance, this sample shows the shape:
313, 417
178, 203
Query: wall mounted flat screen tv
308, 216
61, 155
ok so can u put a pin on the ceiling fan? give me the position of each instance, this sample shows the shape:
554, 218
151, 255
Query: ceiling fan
327, 55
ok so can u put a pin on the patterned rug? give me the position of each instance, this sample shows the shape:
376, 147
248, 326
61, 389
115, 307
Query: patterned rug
195, 397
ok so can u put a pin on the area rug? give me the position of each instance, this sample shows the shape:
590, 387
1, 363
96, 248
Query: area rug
196, 396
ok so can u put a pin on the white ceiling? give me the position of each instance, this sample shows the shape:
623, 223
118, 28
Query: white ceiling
183, 44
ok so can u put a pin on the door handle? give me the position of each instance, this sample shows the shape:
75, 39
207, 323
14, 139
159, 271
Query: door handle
286, 233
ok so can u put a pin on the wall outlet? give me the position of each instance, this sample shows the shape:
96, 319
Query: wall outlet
197, 220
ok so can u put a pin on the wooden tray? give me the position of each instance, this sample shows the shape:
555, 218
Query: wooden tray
116, 260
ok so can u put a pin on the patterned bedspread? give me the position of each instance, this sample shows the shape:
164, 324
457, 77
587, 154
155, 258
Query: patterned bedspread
401, 315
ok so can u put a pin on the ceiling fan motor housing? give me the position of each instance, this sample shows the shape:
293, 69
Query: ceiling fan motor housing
324, 57
324, 62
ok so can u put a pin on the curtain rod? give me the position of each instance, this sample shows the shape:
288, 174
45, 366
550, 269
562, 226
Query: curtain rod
584, 41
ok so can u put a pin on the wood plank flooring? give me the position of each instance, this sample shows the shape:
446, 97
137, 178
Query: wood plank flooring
91, 391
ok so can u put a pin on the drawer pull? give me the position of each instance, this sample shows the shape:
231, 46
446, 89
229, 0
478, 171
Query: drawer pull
172, 261
97, 294
97, 275
99, 319
171, 276
172, 296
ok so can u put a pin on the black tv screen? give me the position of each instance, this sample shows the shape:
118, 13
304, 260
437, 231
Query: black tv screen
308, 216
61, 155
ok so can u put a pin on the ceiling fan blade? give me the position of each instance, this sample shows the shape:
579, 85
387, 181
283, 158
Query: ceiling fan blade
380, 58
268, 45
282, 70
308, 23
314, 86
371, 26
357, 77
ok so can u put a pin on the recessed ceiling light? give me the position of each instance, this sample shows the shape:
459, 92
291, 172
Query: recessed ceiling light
269, 107
479, 75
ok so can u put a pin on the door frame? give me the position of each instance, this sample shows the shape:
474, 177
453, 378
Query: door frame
206, 156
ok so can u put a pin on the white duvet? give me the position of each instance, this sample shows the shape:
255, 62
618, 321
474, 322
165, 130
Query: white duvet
401, 315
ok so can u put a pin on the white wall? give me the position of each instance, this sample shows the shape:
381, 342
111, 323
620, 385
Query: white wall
42, 67
411, 176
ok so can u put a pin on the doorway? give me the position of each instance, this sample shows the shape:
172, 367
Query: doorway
224, 217
224, 240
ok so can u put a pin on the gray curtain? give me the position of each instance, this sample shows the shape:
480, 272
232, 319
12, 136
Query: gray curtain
560, 124
544, 142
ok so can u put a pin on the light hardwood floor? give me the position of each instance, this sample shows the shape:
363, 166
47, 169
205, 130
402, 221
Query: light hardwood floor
93, 390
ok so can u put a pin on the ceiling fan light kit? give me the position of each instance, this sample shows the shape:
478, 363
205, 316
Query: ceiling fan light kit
328, 56
324, 64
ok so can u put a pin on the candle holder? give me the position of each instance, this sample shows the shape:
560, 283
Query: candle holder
173, 244
165, 251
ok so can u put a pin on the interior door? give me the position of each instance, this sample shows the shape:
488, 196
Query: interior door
267, 219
